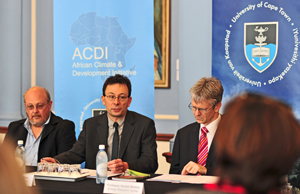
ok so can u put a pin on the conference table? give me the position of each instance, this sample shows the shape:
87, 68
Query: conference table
89, 186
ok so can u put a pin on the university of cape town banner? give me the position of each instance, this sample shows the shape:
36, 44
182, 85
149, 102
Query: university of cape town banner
94, 39
255, 48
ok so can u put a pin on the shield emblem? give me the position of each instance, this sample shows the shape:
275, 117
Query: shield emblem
260, 44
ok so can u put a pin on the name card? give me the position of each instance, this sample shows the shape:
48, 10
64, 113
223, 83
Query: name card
29, 180
123, 187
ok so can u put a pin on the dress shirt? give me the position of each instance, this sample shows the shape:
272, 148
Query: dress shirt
212, 128
32, 144
111, 131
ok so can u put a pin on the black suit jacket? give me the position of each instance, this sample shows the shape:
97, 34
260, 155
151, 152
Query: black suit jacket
58, 136
137, 146
186, 149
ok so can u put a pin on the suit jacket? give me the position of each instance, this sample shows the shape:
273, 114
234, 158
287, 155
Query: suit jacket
137, 146
58, 136
186, 149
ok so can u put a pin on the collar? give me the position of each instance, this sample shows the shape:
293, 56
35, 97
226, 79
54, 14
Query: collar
111, 122
212, 127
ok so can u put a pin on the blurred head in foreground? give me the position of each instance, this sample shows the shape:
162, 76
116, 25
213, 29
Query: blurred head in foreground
11, 178
258, 142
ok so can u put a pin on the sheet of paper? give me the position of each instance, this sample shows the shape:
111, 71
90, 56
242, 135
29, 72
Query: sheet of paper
176, 178
201, 180
29, 179
170, 178
93, 173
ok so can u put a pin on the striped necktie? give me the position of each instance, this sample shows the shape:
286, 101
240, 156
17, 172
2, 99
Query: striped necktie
202, 147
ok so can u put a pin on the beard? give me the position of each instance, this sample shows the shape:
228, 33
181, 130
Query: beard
37, 123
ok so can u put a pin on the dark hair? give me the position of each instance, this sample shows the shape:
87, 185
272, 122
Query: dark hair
257, 142
117, 79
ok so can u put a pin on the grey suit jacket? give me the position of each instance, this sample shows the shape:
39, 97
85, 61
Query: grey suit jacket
186, 149
137, 146
58, 136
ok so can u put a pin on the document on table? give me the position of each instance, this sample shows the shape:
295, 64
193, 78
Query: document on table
93, 173
176, 178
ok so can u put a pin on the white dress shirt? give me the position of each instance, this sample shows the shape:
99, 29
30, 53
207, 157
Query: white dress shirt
212, 128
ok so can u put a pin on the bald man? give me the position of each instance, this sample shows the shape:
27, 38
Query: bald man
43, 133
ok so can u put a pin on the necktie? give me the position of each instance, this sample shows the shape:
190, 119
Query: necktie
202, 147
115, 147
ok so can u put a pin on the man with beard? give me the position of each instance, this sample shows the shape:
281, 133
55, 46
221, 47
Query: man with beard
43, 133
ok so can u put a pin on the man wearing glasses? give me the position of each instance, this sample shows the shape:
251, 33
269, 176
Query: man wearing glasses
43, 133
129, 138
193, 151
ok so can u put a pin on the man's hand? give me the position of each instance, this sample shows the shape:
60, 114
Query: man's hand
193, 168
48, 160
117, 166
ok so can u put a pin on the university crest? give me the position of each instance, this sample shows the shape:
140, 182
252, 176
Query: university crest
260, 44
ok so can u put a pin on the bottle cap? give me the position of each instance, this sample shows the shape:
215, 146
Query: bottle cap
20, 142
101, 147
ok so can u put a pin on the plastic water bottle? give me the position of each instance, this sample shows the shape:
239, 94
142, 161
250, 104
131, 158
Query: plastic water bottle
101, 165
20, 155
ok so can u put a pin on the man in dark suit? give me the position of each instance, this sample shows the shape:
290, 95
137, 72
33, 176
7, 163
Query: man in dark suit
136, 149
193, 151
43, 133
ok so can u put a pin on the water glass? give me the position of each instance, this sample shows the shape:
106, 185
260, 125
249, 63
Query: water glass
63, 169
40, 167
53, 169
75, 170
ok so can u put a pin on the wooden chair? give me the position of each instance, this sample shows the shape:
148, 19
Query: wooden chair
168, 156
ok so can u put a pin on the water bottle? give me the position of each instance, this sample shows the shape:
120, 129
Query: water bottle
20, 155
101, 165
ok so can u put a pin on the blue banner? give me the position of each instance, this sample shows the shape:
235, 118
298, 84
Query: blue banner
94, 39
255, 48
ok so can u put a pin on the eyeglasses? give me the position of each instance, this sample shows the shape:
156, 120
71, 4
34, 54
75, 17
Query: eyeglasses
203, 111
38, 106
112, 98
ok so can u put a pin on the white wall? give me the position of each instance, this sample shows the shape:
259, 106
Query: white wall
2, 135
195, 47
163, 165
